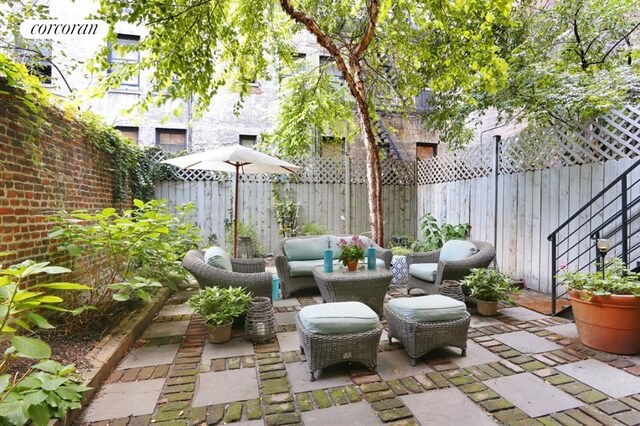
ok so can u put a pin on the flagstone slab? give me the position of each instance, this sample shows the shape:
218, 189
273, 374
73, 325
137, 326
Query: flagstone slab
610, 380
342, 415
567, 330
120, 400
286, 318
445, 407
166, 329
288, 341
396, 364
527, 343
300, 377
219, 387
171, 310
522, 314
533, 395
479, 321
238, 346
476, 355
284, 303
150, 355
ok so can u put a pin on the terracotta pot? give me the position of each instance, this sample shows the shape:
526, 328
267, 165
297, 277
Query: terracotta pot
219, 333
352, 265
608, 323
488, 309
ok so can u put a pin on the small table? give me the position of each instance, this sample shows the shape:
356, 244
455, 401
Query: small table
363, 285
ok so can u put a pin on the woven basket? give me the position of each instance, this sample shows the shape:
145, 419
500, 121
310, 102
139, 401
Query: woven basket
261, 321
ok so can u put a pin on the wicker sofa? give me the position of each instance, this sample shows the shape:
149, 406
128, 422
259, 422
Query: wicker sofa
247, 273
296, 257
453, 270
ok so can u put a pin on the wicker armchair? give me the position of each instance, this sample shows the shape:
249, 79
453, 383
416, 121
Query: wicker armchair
247, 273
289, 284
449, 270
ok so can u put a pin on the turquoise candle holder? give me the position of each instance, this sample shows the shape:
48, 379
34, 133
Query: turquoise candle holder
371, 258
275, 288
328, 260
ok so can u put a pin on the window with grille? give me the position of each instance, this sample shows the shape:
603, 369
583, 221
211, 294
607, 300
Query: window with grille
171, 140
122, 54
248, 141
129, 132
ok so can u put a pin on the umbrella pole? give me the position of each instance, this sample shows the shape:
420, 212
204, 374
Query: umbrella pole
235, 216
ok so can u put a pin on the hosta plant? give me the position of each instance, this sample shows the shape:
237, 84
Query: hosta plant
219, 306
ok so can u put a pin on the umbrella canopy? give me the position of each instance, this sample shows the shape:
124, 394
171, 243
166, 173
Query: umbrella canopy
234, 159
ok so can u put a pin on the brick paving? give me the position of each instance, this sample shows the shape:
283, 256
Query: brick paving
521, 368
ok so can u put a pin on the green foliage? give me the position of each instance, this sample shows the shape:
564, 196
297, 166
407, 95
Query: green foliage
218, 305
146, 242
312, 228
138, 287
400, 251
489, 285
434, 236
286, 211
618, 280
244, 230
48, 389
402, 240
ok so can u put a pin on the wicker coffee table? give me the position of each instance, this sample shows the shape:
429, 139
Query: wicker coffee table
363, 285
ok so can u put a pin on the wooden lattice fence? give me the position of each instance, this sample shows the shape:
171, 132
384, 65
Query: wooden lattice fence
544, 176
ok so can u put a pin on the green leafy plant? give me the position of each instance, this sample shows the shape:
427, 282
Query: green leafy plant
138, 287
312, 228
488, 285
400, 251
618, 280
108, 247
286, 211
434, 236
352, 249
48, 389
402, 240
244, 230
219, 306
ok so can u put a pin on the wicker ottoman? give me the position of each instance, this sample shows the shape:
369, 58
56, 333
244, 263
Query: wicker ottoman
333, 333
427, 322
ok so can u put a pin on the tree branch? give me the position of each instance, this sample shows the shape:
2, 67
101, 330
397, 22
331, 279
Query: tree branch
612, 48
374, 9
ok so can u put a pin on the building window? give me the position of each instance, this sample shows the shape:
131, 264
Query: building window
248, 141
426, 150
129, 132
119, 57
329, 65
171, 140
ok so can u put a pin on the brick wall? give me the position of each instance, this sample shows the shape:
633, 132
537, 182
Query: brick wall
59, 170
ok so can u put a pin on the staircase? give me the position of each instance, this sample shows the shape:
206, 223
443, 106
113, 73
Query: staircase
613, 214
386, 142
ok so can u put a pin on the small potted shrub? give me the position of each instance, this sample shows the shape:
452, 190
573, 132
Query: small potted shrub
606, 309
219, 306
488, 287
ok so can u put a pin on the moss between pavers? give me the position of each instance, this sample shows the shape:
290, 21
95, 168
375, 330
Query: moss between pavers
282, 419
165, 416
271, 367
184, 373
394, 414
559, 379
533, 366
321, 398
489, 371
379, 396
483, 395
173, 406
216, 412
473, 387
404, 422
338, 396
397, 387
457, 372
582, 418
304, 401
187, 360
510, 354
598, 415
591, 396
140, 421
276, 374
464, 380
509, 416
286, 407
233, 363
254, 411
181, 380
290, 357
499, 348
190, 387
477, 373
565, 419
426, 383
273, 386
548, 421
374, 387
494, 405
248, 362
233, 412
278, 398
387, 404
412, 385
631, 402
269, 361
522, 359
438, 380
574, 388
197, 415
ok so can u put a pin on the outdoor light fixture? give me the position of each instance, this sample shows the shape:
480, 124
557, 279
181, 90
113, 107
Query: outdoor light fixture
602, 244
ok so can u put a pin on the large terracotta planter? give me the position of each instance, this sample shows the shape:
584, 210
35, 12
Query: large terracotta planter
608, 323
219, 333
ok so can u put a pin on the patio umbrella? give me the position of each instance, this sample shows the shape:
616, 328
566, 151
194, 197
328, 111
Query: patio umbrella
235, 159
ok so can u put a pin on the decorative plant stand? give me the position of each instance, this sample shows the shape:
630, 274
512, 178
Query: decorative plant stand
261, 321
399, 270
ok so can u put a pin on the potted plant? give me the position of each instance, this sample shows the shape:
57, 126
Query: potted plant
606, 308
488, 287
352, 251
219, 306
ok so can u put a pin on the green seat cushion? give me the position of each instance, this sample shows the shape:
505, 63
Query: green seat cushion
216, 256
428, 308
457, 250
306, 248
424, 271
338, 318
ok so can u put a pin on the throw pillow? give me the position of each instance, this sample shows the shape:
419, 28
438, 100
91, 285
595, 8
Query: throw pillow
218, 258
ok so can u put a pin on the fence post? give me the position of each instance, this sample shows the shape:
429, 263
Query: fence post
496, 171
347, 192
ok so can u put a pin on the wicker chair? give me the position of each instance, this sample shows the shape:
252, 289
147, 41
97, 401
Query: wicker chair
449, 270
247, 273
289, 284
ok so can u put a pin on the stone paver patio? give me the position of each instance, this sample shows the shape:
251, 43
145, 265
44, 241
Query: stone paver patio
521, 368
